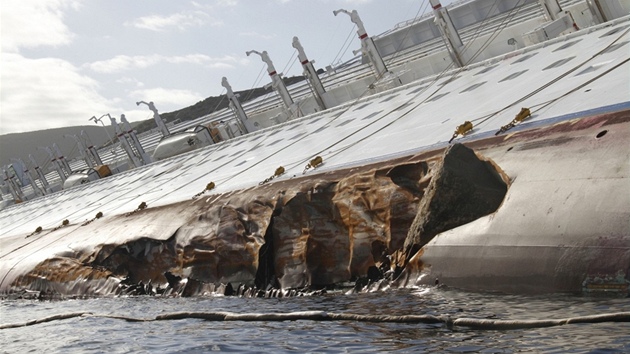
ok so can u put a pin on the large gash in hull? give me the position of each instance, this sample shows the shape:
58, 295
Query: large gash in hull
563, 225
228, 213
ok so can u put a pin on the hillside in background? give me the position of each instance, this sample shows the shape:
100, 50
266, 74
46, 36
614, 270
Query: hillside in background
211, 104
20, 145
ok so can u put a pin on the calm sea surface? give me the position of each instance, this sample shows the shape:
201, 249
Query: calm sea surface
106, 335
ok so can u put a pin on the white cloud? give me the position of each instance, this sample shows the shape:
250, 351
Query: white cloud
257, 35
124, 62
190, 59
57, 94
227, 3
181, 21
47, 92
33, 23
130, 81
217, 3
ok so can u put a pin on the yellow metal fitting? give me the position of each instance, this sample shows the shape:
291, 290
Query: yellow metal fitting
209, 186
313, 163
462, 130
316, 161
524, 113
278, 172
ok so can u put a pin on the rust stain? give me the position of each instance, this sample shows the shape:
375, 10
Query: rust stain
329, 228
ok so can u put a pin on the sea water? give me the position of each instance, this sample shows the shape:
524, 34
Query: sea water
108, 335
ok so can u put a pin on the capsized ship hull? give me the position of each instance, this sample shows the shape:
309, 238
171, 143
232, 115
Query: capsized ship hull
227, 213
563, 226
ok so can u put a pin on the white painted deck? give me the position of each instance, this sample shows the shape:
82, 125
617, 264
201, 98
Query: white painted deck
398, 122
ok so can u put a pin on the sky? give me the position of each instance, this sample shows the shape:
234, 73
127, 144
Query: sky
64, 61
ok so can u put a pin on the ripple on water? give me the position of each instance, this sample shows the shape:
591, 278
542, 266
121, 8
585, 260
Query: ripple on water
95, 334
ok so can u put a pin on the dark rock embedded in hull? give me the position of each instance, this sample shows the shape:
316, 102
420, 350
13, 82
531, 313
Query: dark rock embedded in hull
463, 188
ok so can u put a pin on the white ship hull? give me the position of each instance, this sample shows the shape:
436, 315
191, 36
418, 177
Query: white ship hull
564, 224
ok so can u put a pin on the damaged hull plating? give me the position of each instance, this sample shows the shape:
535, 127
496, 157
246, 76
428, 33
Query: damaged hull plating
562, 225
370, 190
